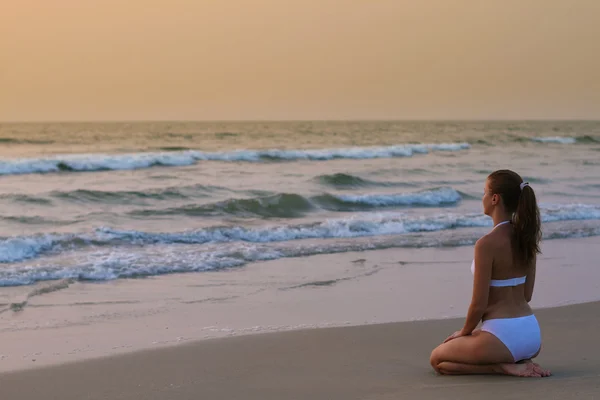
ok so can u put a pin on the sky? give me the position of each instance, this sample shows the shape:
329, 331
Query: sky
94, 60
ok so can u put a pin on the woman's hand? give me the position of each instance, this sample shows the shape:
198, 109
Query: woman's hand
454, 336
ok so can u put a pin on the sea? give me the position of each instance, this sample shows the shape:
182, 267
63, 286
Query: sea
107, 201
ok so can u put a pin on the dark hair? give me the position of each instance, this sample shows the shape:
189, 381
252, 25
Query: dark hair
521, 202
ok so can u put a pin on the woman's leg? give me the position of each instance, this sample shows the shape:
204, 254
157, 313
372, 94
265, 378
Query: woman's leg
480, 353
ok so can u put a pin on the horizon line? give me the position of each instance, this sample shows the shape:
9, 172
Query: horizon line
123, 121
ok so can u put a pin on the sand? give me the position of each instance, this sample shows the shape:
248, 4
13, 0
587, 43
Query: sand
375, 362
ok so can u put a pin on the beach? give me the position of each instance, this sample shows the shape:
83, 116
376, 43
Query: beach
87, 320
375, 362
302, 335
203, 261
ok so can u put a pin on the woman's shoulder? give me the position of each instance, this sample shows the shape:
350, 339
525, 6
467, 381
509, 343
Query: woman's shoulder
496, 237
485, 241
491, 242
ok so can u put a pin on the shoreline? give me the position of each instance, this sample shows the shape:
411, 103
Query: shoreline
89, 320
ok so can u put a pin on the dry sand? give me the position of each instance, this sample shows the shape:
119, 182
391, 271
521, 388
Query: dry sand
374, 362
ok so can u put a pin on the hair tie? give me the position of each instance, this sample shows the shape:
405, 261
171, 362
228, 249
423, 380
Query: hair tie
523, 184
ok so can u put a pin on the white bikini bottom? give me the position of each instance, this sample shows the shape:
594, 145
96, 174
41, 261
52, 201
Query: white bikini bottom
520, 335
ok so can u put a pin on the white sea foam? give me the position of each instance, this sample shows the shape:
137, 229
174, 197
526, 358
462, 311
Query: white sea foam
97, 162
566, 212
157, 259
555, 139
22, 248
428, 198
366, 225
17, 249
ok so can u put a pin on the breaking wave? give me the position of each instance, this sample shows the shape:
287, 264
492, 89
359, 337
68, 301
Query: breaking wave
103, 162
16, 249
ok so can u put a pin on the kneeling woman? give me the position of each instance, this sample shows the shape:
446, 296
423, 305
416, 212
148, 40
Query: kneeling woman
504, 276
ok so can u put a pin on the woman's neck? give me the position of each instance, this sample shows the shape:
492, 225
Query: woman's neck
501, 217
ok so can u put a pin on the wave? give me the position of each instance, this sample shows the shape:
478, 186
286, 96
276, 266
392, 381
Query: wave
111, 264
349, 202
588, 139
100, 162
348, 181
16, 249
351, 227
128, 196
118, 196
101, 196
263, 204
11, 140
583, 139
22, 198
555, 139
291, 205
345, 180
558, 212
281, 205
33, 220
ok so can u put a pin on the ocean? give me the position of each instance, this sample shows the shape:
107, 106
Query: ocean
109, 201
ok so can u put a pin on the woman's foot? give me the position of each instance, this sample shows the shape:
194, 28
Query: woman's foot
527, 369
544, 372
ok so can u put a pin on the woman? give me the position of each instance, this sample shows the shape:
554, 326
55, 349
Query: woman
504, 276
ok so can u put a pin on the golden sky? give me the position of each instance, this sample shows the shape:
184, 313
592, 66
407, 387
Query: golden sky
299, 59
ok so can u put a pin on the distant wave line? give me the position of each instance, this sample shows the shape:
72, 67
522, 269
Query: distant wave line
104, 162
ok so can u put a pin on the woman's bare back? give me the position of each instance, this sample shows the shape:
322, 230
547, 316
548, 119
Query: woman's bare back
509, 301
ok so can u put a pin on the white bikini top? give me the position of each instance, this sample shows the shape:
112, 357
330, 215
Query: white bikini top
503, 282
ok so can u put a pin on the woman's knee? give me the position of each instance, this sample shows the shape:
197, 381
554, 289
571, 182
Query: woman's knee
473, 353
435, 359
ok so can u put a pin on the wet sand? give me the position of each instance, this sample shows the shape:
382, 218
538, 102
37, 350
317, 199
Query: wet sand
374, 362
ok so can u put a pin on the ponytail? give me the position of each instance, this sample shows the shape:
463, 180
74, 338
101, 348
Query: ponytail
519, 199
527, 227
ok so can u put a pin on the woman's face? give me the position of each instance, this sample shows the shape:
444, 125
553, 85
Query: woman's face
488, 199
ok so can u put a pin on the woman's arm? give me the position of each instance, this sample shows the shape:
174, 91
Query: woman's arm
530, 281
481, 284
